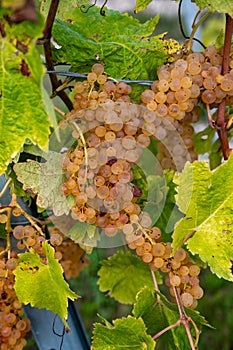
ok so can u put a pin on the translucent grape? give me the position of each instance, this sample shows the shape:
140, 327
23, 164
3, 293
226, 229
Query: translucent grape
97, 68
175, 84
197, 292
155, 233
18, 232
56, 239
16, 211
158, 249
226, 84
147, 257
147, 96
208, 96
209, 83
128, 142
186, 82
163, 85
175, 280
194, 270
158, 262
194, 68
160, 97
186, 299
91, 77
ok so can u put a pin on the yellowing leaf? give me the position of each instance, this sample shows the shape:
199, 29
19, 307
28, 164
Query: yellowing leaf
206, 198
22, 113
222, 6
43, 285
141, 5
45, 179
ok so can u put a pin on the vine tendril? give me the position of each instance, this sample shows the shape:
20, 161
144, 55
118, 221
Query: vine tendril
102, 11
83, 8
182, 28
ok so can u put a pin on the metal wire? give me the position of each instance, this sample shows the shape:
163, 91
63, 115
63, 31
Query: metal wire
84, 76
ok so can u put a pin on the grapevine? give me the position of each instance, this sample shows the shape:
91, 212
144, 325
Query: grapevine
115, 166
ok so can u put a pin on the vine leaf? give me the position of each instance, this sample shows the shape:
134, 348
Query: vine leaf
125, 333
21, 107
170, 213
222, 6
83, 233
206, 198
125, 47
65, 7
141, 5
44, 180
42, 285
157, 314
205, 143
123, 275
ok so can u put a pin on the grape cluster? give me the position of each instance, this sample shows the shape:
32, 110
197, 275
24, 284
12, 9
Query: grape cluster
13, 325
28, 237
163, 126
180, 271
101, 179
99, 169
71, 257
96, 90
67, 252
193, 78
111, 133
180, 87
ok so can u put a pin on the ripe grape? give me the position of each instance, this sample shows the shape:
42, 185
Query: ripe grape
187, 299
197, 292
158, 249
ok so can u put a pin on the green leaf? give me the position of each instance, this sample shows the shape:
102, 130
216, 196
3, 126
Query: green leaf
123, 275
158, 313
215, 155
126, 47
204, 143
22, 114
2, 231
141, 5
42, 285
83, 233
65, 7
125, 333
206, 198
45, 179
170, 213
203, 140
222, 6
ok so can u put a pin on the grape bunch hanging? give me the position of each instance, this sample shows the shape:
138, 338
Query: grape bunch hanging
99, 169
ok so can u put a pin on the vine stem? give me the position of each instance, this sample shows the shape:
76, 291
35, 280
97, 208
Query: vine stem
77, 128
14, 203
176, 324
221, 123
184, 319
5, 187
195, 26
48, 53
8, 230
155, 283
